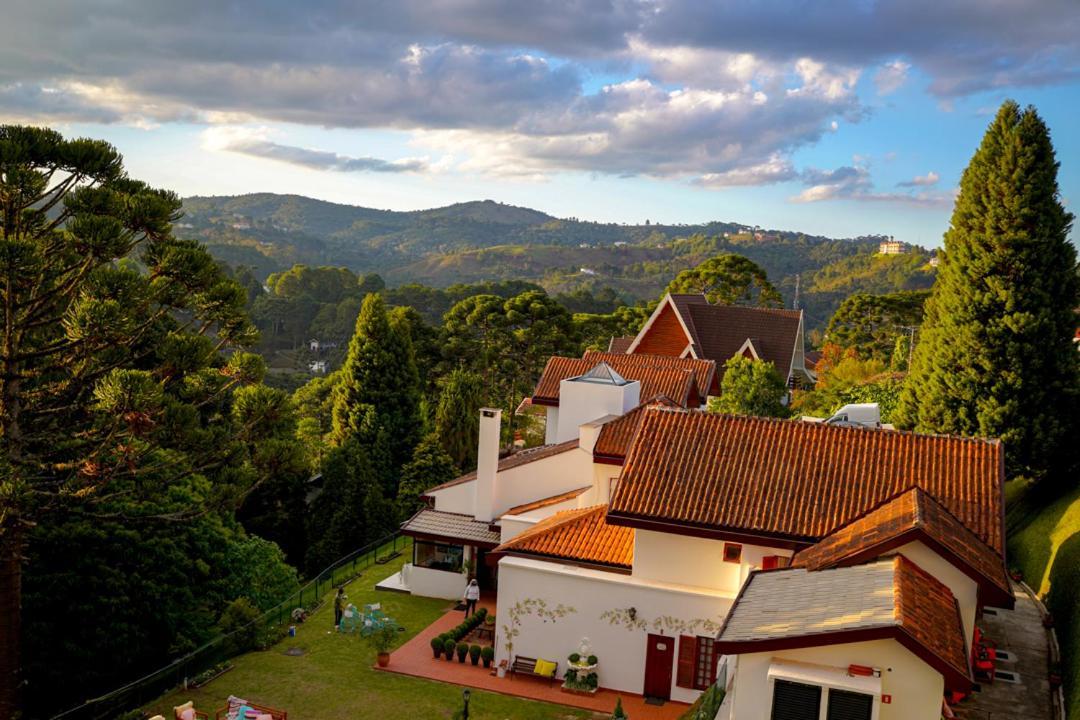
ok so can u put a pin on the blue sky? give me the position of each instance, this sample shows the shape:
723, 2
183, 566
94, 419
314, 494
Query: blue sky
843, 118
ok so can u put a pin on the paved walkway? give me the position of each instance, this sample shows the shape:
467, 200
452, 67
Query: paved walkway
1019, 632
415, 658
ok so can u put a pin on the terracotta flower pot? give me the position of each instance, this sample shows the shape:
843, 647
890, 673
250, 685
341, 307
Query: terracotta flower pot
383, 659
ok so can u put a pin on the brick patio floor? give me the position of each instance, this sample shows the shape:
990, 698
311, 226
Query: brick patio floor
415, 658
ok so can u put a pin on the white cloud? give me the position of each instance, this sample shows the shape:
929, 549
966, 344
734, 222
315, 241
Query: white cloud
929, 179
891, 76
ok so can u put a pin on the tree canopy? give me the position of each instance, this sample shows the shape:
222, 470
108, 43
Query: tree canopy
751, 387
728, 279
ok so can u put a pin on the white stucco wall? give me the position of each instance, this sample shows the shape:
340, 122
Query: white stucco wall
536, 480
964, 589
666, 557
510, 526
434, 583
551, 428
621, 650
915, 688
581, 402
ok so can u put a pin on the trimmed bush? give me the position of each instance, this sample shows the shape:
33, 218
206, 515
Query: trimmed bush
436, 646
592, 660
448, 648
488, 655
575, 657
474, 654
462, 651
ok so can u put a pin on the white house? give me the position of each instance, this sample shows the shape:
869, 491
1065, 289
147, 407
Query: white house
786, 560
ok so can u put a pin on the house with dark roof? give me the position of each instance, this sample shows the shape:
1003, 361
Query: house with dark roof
695, 548
689, 326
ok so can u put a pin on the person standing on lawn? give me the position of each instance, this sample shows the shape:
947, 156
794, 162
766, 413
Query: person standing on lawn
339, 606
472, 594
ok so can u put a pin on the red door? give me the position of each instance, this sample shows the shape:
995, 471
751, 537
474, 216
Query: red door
659, 659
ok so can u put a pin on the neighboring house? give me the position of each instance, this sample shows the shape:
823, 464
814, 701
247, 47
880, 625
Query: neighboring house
689, 326
317, 366
890, 247
690, 548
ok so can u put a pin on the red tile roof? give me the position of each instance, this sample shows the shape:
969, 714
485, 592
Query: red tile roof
677, 378
892, 598
795, 482
619, 344
578, 535
522, 457
614, 439
719, 332
913, 515
547, 502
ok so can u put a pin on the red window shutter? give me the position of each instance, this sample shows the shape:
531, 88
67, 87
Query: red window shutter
768, 562
687, 661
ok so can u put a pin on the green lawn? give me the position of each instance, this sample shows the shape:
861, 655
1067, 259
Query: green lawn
1034, 547
333, 679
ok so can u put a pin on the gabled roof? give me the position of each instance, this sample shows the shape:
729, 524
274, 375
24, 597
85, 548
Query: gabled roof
913, 515
891, 598
619, 344
580, 536
718, 332
522, 457
795, 482
677, 378
438, 525
547, 502
615, 436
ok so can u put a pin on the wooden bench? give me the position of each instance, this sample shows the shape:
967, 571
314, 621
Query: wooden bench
527, 666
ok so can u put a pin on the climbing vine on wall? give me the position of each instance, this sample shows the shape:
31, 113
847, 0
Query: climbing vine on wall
525, 608
629, 619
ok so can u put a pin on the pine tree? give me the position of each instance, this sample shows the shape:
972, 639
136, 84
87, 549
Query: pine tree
457, 424
995, 356
380, 374
430, 466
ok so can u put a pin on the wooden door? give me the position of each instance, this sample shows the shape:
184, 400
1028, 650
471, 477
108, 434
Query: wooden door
659, 659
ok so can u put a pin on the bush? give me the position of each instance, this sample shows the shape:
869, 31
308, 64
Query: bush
619, 713
575, 657
448, 648
383, 639
591, 681
462, 651
488, 653
474, 653
239, 619
592, 660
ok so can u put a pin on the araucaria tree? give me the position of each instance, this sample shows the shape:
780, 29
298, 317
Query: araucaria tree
995, 356
114, 397
728, 279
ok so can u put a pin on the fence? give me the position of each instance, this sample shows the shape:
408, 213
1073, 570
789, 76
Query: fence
179, 672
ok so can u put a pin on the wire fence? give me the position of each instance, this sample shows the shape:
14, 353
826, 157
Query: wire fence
180, 672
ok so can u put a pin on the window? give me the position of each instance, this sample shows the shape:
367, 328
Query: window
732, 552
795, 701
847, 705
771, 562
438, 556
697, 662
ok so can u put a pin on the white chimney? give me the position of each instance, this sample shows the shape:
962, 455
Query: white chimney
591, 396
487, 464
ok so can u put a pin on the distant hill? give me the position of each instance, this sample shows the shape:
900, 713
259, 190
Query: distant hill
485, 240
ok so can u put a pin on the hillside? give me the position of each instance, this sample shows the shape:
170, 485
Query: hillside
487, 241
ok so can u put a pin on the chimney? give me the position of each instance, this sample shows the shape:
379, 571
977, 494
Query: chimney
597, 393
487, 464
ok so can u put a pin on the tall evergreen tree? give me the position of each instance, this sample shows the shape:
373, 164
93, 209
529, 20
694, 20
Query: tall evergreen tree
995, 356
728, 279
430, 466
457, 424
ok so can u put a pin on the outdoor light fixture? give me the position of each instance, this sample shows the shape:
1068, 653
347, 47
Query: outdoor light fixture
465, 695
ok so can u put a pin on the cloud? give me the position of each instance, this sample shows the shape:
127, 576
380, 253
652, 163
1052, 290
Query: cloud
927, 180
891, 76
323, 160
853, 182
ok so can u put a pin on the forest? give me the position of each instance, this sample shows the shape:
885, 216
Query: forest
163, 482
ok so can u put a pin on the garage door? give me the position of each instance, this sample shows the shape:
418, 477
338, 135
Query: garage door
795, 701
844, 705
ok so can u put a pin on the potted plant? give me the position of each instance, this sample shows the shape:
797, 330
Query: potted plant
383, 640
501, 670
487, 654
448, 648
462, 651
619, 713
474, 654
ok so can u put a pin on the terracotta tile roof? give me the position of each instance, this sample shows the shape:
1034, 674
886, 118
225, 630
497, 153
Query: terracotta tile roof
450, 526
546, 502
912, 515
719, 331
677, 378
619, 344
522, 457
890, 598
794, 481
578, 535
615, 436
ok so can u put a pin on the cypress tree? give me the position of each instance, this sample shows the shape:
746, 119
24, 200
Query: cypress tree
430, 466
457, 423
995, 356
379, 374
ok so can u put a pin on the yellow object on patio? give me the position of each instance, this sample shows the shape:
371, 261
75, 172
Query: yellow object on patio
545, 668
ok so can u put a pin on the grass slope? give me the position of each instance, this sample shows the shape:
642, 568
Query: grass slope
334, 679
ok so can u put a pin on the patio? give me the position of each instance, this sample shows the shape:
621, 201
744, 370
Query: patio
415, 658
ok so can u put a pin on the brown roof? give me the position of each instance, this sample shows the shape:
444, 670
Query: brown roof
522, 457
795, 482
891, 598
546, 502
436, 524
719, 331
620, 344
913, 515
678, 378
579, 535
614, 439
